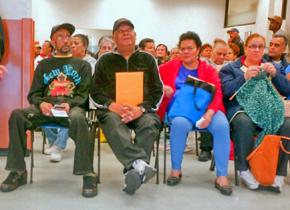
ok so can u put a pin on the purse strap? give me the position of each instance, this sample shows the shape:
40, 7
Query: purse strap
194, 95
282, 146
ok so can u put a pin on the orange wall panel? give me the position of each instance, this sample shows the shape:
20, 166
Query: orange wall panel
18, 58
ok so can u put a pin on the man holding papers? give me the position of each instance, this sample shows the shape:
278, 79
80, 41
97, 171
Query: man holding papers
127, 90
61, 83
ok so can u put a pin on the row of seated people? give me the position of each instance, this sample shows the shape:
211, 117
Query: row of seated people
67, 81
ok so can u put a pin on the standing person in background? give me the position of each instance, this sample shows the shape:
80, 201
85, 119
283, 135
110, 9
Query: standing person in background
275, 24
105, 44
162, 53
117, 120
234, 37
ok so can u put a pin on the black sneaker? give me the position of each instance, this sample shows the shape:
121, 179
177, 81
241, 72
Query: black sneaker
13, 181
204, 156
90, 187
132, 181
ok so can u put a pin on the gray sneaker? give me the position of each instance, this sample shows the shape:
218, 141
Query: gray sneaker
249, 180
132, 181
149, 173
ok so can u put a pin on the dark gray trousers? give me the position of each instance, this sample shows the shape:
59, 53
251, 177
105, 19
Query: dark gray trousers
119, 136
30, 118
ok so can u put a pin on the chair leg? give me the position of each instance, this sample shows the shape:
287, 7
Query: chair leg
212, 164
153, 151
32, 157
99, 155
43, 141
93, 137
164, 155
196, 144
236, 171
157, 158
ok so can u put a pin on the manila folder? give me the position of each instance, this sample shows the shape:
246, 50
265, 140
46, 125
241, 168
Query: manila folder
129, 88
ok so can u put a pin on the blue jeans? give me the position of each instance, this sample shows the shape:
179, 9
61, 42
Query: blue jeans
56, 136
219, 128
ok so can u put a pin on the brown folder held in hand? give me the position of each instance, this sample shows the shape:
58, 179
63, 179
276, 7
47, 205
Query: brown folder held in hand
129, 87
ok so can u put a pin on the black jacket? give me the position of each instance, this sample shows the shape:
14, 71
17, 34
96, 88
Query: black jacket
103, 83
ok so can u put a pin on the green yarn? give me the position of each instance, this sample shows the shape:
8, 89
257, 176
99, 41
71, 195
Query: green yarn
263, 105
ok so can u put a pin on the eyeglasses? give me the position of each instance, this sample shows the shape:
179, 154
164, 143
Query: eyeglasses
62, 38
189, 49
254, 46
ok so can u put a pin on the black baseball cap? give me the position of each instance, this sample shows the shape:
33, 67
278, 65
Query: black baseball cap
68, 26
122, 21
233, 30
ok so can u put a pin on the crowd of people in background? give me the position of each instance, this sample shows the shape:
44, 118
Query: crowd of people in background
227, 64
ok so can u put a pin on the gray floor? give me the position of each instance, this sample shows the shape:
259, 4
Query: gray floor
55, 188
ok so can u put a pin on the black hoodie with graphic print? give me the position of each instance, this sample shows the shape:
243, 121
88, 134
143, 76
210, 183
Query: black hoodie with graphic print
61, 80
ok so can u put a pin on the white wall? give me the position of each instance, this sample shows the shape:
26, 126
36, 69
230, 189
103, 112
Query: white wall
261, 25
15, 9
163, 20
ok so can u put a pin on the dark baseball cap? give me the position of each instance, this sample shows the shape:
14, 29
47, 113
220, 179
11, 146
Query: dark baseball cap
122, 21
233, 30
68, 26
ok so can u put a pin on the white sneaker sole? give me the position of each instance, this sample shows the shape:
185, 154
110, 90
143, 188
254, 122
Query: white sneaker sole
250, 187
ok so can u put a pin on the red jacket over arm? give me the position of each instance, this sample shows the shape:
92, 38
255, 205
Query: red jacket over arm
168, 73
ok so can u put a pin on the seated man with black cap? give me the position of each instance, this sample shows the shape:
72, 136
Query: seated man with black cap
61, 81
118, 119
